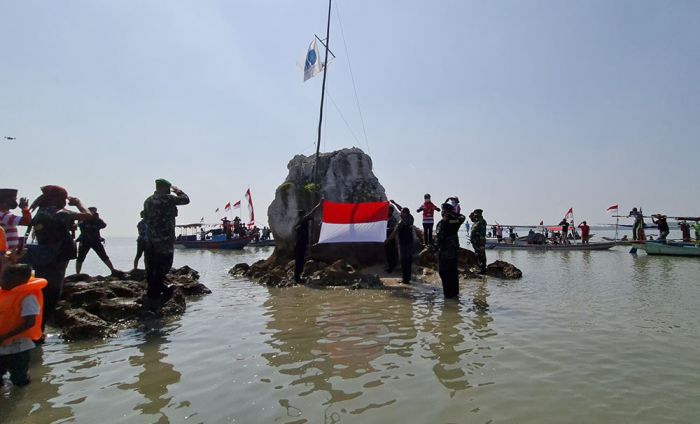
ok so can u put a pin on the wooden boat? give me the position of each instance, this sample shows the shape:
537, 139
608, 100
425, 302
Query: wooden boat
214, 239
261, 243
190, 242
670, 249
554, 247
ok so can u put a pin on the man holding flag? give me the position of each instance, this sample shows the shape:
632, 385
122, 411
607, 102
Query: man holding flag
302, 240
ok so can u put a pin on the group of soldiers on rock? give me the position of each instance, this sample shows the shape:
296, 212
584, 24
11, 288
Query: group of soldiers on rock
399, 245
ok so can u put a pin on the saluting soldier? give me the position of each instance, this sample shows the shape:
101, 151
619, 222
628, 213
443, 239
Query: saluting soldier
447, 244
478, 238
160, 210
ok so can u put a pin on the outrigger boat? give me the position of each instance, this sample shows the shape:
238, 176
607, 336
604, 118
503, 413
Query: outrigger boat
660, 248
550, 246
213, 239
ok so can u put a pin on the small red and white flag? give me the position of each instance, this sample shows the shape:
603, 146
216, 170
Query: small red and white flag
612, 208
237, 205
251, 212
569, 213
354, 222
228, 206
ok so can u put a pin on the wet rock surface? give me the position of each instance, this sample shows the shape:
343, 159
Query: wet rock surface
316, 274
504, 270
97, 307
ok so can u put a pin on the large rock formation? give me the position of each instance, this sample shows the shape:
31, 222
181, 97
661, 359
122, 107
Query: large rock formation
96, 307
344, 176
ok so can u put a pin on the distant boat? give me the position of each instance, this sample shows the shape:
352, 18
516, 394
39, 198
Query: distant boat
262, 243
214, 241
655, 248
544, 247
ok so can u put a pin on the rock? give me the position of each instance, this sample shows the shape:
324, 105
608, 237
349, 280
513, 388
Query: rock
79, 324
345, 176
97, 306
341, 273
239, 270
427, 259
312, 266
504, 270
467, 259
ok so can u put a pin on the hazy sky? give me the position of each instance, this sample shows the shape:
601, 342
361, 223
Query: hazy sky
522, 108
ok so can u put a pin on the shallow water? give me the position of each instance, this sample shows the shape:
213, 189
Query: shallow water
583, 337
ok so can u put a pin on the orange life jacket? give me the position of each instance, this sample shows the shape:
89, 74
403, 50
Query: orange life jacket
11, 309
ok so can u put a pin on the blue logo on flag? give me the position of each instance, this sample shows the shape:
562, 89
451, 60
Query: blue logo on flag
310, 58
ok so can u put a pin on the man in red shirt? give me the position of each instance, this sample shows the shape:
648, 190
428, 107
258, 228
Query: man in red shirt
428, 208
585, 232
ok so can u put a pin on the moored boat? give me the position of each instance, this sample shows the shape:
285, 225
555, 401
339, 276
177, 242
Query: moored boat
216, 242
554, 247
670, 249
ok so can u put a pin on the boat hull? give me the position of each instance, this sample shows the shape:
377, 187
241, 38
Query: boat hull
232, 244
547, 247
670, 249
261, 243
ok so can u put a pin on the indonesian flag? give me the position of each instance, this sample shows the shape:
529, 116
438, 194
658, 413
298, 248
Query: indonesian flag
250, 207
354, 222
612, 208
569, 213
237, 205
228, 206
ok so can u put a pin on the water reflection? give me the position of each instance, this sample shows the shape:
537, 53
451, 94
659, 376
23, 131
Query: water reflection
34, 402
155, 378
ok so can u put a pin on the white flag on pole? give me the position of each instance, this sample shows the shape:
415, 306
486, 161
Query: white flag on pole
312, 66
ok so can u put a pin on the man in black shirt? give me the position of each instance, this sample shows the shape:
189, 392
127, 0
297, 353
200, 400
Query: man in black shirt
302, 240
404, 232
90, 238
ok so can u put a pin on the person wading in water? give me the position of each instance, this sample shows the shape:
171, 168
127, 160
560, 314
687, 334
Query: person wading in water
447, 244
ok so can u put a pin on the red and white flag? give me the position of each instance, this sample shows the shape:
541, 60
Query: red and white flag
569, 213
237, 205
354, 222
250, 207
612, 208
228, 206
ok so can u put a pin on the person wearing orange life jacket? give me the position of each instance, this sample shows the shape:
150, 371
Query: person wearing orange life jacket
21, 303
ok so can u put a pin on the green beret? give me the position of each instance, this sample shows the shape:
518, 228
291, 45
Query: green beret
162, 182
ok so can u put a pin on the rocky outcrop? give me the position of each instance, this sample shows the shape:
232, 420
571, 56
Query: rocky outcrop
316, 274
504, 270
427, 258
344, 176
97, 307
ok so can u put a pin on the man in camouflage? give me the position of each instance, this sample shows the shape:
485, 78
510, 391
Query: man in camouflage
160, 210
478, 238
447, 244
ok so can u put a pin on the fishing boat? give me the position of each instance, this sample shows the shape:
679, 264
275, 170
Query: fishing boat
212, 239
261, 243
549, 246
655, 248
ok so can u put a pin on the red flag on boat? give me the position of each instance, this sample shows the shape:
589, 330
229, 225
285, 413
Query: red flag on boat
237, 205
612, 208
354, 222
228, 206
250, 207
569, 213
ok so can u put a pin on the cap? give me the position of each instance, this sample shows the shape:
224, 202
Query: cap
447, 207
160, 182
478, 211
8, 193
92, 209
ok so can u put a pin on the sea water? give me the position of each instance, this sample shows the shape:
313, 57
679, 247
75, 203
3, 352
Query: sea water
599, 337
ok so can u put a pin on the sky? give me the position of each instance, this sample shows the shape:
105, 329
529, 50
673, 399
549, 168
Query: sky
521, 108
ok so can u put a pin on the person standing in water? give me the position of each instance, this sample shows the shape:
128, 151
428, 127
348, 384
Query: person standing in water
447, 244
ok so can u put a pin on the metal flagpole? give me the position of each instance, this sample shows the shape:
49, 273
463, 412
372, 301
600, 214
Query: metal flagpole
323, 93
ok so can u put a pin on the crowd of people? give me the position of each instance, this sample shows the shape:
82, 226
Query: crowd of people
32, 279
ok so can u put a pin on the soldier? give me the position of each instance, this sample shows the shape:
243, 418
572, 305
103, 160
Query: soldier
160, 210
404, 232
55, 245
390, 252
302, 240
478, 238
90, 238
447, 244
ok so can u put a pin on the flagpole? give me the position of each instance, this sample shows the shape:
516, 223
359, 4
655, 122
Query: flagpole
323, 93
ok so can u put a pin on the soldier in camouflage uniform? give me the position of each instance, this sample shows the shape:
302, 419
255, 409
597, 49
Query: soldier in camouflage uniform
478, 238
160, 211
447, 244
